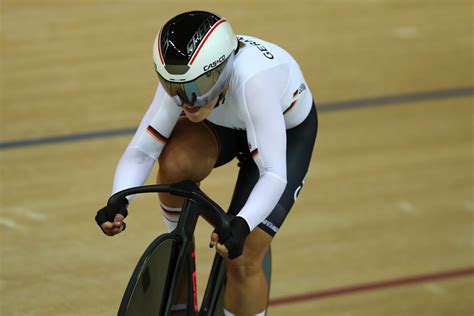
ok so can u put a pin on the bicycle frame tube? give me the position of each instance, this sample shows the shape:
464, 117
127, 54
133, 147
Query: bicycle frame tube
185, 229
214, 286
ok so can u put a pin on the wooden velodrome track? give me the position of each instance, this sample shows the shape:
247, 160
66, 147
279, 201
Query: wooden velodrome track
384, 224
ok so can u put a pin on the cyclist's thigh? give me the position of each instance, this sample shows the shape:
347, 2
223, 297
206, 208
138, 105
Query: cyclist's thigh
229, 141
190, 154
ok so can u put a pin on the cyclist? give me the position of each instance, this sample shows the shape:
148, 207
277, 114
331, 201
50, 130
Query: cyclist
221, 97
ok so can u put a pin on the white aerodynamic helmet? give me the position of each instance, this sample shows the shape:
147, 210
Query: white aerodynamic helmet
193, 55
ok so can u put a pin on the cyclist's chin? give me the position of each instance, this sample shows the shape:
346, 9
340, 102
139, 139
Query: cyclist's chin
198, 114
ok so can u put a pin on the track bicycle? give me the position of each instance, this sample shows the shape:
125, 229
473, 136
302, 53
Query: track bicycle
169, 261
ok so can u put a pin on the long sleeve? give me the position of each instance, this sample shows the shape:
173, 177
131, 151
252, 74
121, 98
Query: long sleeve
146, 145
266, 133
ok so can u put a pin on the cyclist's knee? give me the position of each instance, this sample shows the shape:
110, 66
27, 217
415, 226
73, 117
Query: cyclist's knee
244, 267
176, 166
250, 262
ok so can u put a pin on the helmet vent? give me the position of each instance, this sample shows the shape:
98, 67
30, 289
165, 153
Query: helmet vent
177, 69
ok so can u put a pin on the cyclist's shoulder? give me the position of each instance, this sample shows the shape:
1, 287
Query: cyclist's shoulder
256, 52
256, 57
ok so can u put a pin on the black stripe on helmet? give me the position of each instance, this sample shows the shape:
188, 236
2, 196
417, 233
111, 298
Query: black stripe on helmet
181, 36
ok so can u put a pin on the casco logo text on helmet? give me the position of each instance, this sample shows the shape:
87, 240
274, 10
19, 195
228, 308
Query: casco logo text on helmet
214, 64
199, 34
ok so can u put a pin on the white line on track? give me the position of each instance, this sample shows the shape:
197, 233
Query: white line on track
407, 207
11, 224
406, 32
469, 205
30, 214
435, 289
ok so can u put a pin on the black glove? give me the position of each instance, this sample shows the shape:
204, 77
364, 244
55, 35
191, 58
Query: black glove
239, 230
107, 213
